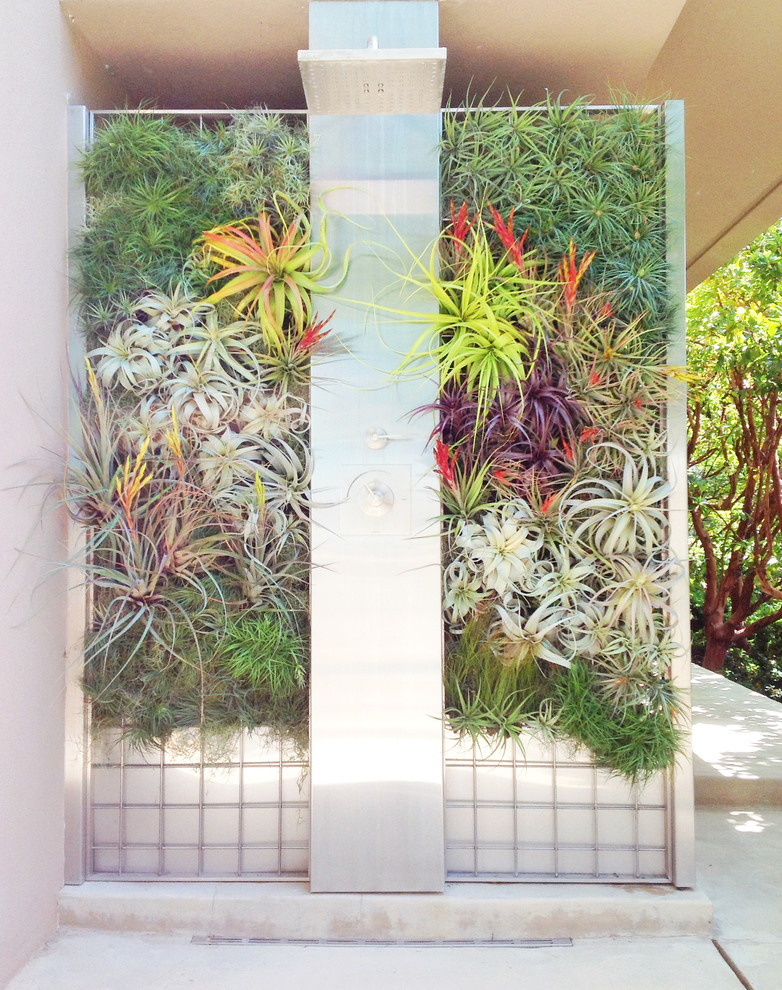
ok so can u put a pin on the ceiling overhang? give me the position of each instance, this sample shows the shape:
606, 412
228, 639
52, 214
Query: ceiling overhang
717, 55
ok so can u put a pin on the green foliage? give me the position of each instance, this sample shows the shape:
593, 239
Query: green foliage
265, 164
755, 663
150, 194
484, 698
492, 321
154, 186
191, 467
150, 693
551, 350
490, 702
568, 171
265, 652
634, 742
735, 429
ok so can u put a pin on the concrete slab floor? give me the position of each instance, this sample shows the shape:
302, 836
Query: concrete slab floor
76, 960
739, 867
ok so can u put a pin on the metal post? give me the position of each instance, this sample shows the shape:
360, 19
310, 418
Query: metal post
682, 811
75, 715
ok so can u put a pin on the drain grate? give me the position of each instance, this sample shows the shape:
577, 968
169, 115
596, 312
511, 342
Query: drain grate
436, 943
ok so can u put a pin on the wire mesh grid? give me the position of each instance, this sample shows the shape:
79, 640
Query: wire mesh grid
186, 811
545, 813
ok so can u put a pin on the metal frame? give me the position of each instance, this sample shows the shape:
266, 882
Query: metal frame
682, 795
76, 731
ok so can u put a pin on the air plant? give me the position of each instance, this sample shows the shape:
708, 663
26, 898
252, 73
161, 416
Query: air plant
134, 357
287, 360
286, 472
502, 546
565, 578
273, 415
264, 155
633, 671
530, 636
214, 347
268, 262
486, 700
620, 516
466, 489
491, 324
603, 352
170, 313
204, 400
572, 272
149, 420
136, 560
229, 457
463, 591
638, 593
635, 742
93, 456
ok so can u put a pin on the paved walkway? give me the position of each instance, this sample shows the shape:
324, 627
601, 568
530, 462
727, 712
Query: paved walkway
738, 747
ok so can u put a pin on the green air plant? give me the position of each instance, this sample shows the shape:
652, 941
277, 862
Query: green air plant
492, 321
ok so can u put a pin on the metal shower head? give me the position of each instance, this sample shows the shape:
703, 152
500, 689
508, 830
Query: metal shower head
373, 80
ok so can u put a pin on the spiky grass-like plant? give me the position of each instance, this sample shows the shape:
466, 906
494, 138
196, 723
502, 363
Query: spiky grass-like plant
570, 171
149, 192
264, 156
634, 742
265, 652
486, 700
491, 324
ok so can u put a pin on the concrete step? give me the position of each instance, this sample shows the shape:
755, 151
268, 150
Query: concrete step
465, 912
737, 743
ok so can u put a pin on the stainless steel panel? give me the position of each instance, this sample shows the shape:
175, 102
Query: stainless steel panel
376, 695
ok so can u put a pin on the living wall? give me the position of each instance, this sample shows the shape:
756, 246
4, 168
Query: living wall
551, 346
191, 473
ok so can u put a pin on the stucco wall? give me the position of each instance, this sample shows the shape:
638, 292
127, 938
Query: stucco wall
40, 72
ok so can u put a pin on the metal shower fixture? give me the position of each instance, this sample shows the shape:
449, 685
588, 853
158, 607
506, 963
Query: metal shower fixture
373, 80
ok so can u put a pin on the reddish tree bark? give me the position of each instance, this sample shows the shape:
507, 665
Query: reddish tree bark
738, 556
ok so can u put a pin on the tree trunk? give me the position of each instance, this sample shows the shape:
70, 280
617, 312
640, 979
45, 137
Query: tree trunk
718, 642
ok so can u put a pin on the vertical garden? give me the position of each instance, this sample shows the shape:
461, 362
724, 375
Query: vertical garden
203, 294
